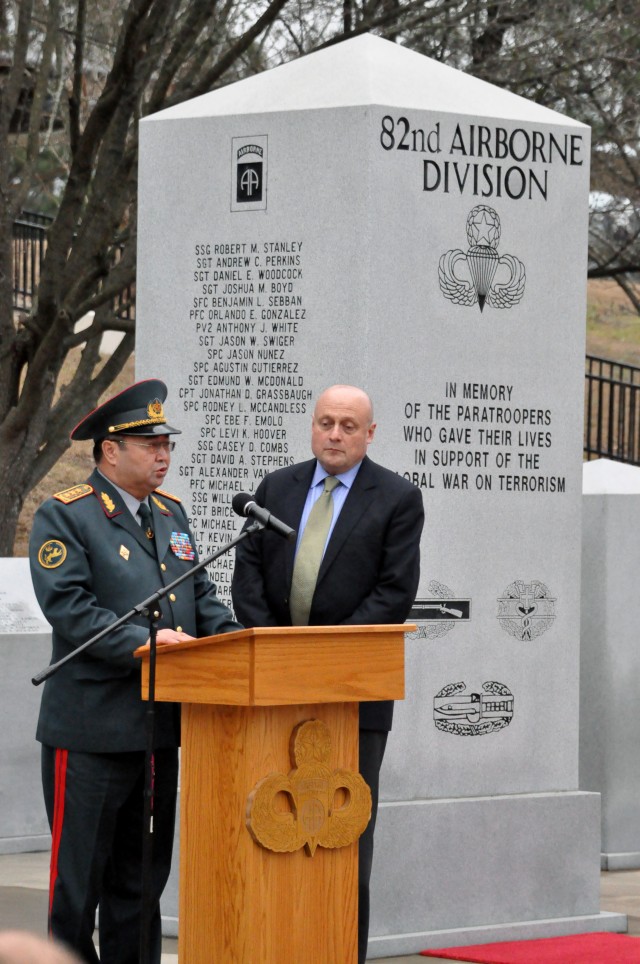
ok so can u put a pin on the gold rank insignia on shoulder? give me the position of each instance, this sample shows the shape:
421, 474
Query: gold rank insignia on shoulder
107, 502
52, 554
74, 493
167, 495
161, 506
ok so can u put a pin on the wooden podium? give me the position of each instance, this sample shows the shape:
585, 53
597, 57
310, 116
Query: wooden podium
243, 695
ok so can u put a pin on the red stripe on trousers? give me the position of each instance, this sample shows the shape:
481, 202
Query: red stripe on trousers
58, 818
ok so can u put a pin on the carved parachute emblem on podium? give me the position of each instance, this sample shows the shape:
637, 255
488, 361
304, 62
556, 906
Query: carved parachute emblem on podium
324, 807
482, 275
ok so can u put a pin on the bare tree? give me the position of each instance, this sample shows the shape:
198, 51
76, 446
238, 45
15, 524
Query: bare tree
153, 53
577, 57
77, 76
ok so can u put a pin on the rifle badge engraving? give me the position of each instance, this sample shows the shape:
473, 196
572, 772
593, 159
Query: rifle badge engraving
481, 275
437, 615
326, 808
473, 714
526, 610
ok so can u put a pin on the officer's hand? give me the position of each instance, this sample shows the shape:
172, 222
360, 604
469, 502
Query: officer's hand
169, 637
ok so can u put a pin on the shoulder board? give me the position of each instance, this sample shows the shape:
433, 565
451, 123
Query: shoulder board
167, 495
74, 493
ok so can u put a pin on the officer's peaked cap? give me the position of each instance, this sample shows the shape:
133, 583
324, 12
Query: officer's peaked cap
135, 411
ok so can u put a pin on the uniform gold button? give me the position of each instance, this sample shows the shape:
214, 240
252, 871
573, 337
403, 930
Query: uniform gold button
172, 597
163, 567
178, 629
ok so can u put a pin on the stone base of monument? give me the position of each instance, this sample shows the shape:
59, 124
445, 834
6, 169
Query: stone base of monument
609, 655
467, 871
25, 648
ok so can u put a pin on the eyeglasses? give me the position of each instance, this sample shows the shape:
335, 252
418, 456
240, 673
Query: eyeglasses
154, 446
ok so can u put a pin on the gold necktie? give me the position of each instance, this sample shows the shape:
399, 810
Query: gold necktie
309, 555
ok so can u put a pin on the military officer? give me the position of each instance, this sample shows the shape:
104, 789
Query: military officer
97, 550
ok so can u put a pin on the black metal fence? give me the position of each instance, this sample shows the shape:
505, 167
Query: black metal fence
29, 248
612, 410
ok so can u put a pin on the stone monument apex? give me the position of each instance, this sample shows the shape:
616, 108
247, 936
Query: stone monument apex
365, 215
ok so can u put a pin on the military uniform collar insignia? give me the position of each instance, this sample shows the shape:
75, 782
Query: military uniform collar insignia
109, 507
163, 508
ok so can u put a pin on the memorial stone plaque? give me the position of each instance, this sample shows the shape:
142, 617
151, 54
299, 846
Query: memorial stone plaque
25, 647
368, 216
609, 655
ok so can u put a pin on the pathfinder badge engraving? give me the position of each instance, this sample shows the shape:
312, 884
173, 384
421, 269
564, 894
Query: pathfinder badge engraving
249, 173
481, 275
327, 808
526, 610
473, 714
438, 615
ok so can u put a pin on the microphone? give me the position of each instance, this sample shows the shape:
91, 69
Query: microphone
244, 504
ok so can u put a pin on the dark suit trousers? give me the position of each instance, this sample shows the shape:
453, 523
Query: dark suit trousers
95, 806
372, 747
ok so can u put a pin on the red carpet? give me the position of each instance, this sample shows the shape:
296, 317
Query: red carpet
574, 949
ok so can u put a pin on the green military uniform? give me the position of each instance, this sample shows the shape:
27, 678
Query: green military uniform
92, 562
106, 565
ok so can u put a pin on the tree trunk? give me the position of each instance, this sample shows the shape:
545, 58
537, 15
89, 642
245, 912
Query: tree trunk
15, 462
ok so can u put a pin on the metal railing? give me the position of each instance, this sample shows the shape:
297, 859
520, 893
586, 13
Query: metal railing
612, 410
29, 248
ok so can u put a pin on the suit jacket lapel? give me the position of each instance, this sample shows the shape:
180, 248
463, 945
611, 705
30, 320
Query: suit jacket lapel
355, 505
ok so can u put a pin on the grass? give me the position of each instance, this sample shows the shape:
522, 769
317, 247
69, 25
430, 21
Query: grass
613, 331
613, 327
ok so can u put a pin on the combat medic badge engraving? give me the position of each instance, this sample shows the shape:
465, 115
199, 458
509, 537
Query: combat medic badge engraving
328, 808
526, 610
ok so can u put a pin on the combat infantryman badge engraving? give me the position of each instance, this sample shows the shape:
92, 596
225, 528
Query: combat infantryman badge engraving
481, 275
438, 615
329, 808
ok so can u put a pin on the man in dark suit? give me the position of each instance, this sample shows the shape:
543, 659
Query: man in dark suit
97, 550
369, 569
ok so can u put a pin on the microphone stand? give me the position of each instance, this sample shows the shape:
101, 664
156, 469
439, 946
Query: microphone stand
150, 609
